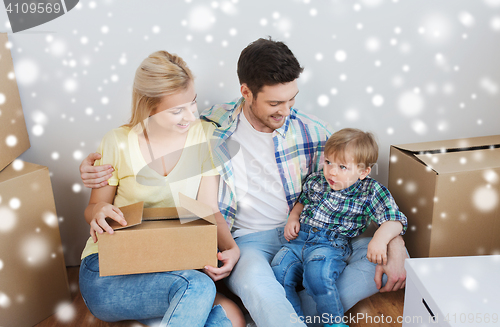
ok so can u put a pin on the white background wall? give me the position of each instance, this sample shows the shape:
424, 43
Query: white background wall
408, 70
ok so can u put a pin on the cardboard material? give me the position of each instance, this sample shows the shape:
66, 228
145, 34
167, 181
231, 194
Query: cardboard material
450, 192
14, 138
160, 239
452, 291
33, 280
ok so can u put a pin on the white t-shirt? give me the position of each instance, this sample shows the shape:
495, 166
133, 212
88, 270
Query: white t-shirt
261, 200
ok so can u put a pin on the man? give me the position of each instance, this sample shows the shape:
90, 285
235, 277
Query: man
264, 150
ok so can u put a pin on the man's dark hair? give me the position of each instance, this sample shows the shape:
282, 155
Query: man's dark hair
267, 62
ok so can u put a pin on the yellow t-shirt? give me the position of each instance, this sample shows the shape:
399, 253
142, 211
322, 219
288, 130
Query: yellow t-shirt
137, 182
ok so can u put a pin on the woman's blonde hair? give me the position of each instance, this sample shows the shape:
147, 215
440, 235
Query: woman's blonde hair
159, 75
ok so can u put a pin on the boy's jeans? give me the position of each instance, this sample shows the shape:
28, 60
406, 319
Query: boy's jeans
315, 258
176, 298
252, 279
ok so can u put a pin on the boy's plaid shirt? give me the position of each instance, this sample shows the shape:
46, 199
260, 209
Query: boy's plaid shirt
298, 147
347, 211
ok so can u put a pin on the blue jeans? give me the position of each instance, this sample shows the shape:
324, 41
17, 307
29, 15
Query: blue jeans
315, 258
176, 298
252, 279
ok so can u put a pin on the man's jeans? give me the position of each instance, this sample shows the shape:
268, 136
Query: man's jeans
315, 259
252, 279
176, 298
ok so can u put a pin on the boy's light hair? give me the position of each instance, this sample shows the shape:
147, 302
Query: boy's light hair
160, 74
361, 145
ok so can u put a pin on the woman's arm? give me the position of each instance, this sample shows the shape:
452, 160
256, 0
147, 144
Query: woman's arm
229, 251
99, 207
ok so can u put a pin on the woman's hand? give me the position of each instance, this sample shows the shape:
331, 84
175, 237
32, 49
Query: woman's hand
100, 212
229, 258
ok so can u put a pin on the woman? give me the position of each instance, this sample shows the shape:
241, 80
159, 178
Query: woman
150, 160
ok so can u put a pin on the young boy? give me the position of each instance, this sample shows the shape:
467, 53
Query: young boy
334, 206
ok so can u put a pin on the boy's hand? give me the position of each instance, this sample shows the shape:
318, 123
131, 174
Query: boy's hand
377, 252
292, 228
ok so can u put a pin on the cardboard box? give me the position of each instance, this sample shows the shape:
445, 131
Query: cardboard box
450, 192
33, 280
160, 239
453, 291
14, 138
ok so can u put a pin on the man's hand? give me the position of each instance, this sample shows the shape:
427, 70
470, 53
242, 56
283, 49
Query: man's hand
292, 229
394, 269
229, 258
94, 177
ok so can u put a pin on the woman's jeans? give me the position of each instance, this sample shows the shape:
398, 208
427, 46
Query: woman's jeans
177, 298
316, 258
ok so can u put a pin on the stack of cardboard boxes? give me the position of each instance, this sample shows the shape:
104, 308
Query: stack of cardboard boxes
33, 280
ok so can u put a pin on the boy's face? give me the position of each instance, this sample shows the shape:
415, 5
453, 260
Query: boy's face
341, 175
269, 110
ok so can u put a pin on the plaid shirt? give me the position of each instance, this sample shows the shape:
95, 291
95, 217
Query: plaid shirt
298, 148
347, 211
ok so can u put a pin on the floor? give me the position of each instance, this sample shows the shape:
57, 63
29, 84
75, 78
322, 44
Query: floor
381, 309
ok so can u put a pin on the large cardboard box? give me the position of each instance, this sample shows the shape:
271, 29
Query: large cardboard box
14, 138
33, 280
450, 192
160, 239
452, 291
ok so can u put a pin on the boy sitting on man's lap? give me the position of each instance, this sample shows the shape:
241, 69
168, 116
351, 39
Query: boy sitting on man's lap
336, 205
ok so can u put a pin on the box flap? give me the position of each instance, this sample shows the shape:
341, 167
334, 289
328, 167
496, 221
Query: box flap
454, 162
132, 214
472, 143
201, 210
191, 209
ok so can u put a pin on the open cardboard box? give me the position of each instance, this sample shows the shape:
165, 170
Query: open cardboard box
450, 192
160, 239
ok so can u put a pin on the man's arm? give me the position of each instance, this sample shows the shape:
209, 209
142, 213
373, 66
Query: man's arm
94, 176
394, 269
